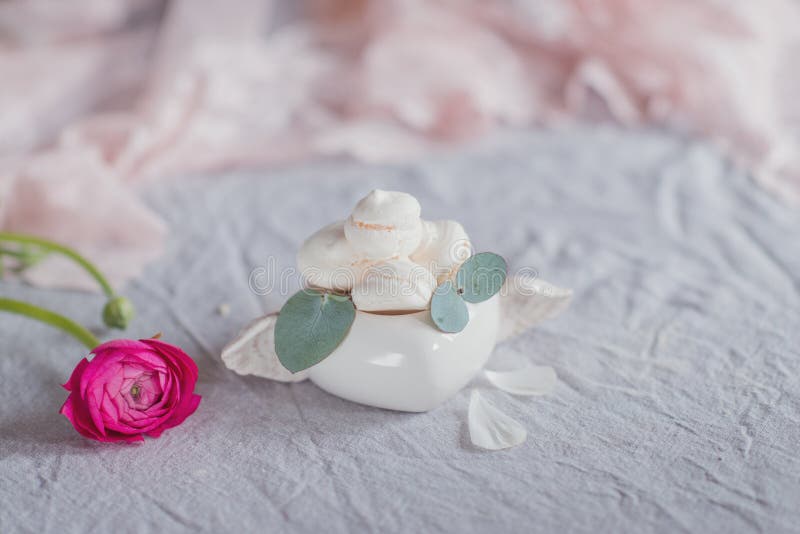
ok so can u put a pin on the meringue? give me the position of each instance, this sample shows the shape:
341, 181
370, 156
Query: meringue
394, 285
444, 246
384, 253
327, 260
385, 224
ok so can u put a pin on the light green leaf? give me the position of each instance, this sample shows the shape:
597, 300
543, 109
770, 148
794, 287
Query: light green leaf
481, 277
310, 326
448, 310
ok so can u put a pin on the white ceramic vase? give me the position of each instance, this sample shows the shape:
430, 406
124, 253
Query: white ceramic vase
403, 362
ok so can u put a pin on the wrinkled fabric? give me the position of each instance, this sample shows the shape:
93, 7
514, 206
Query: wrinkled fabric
676, 403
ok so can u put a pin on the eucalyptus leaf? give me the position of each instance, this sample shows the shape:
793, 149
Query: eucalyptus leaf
310, 326
448, 310
481, 277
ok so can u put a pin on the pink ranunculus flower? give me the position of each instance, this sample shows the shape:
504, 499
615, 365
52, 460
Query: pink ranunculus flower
131, 388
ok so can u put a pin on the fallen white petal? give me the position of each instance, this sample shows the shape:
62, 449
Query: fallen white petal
252, 352
491, 429
533, 380
526, 301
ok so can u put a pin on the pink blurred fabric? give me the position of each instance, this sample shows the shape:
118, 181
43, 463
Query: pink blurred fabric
108, 96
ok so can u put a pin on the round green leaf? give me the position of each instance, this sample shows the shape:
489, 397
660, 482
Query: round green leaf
481, 277
310, 326
448, 310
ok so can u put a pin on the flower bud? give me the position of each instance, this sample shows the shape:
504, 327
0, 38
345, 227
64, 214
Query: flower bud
118, 312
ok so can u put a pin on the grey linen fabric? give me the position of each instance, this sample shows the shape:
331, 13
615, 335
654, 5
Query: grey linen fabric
677, 409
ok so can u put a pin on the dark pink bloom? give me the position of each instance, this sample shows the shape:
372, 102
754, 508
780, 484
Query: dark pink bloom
131, 388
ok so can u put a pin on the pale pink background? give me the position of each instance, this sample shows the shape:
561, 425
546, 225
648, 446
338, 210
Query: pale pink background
104, 97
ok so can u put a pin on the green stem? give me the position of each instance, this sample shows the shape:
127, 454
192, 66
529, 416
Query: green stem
53, 319
12, 253
66, 251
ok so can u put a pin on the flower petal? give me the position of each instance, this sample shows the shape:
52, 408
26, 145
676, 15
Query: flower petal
491, 429
526, 301
533, 380
78, 415
178, 416
75, 379
252, 352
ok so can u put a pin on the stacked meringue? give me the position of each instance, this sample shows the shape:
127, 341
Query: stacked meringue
385, 254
